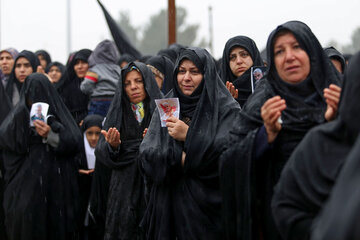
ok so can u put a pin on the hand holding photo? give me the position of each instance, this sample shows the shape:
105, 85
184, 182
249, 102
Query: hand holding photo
38, 112
167, 107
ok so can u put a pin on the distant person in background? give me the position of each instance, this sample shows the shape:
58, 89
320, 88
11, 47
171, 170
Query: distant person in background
102, 77
44, 58
336, 58
240, 54
125, 59
55, 71
7, 60
172, 52
76, 101
163, 69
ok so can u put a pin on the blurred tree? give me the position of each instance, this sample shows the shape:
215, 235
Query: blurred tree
154, 35
354, 46
125, 24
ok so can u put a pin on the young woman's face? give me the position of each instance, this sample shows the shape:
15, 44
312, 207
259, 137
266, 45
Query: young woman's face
6, 62
81, 67
43, 62
291, 61
92, 135
134, 87
239, 61
23, 69
55, 74
189, 77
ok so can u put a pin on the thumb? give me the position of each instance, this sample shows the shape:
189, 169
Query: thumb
104, 133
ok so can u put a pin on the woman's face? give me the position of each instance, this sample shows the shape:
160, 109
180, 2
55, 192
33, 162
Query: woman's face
92, 135
189, 77
239, 61
291, 61
134, 87
81, 67
6, 62
42, 60
55, 74
23, 69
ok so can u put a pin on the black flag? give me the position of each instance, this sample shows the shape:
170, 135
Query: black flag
121, 40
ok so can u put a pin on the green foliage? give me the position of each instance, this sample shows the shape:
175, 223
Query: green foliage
154, 35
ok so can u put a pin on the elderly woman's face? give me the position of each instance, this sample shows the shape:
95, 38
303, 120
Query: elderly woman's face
291, 61
189, 77
134, 87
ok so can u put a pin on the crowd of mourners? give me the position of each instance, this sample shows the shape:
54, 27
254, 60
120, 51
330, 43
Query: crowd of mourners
268, 159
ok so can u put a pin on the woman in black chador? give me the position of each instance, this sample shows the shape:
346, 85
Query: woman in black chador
128, 116
240, 54
181, 160
284, 107
69, 85
41, 193
308, 178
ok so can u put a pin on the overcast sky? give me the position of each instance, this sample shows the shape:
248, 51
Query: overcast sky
41, 24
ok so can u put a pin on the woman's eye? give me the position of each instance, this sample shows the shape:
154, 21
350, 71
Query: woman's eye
232, 57
244, 55
278, 52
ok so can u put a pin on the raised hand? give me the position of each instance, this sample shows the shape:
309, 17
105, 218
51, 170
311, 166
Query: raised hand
270, 113
112, 136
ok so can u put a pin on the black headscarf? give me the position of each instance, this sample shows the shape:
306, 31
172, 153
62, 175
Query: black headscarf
69, 87
182, 190
172, 52
93, 120
166, 67
45, 55
332, 53
242, 83
321, 155
34, 61
125, 58
255, 178
62, 69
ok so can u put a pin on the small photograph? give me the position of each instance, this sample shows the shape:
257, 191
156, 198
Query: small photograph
257, 73
167, 107
38, 112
